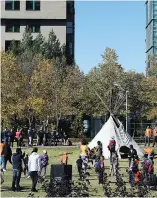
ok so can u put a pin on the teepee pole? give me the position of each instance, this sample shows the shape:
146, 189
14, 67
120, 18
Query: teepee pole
102, 101
104, 104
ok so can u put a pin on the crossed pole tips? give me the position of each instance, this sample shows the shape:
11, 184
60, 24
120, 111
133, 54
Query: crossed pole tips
103, 102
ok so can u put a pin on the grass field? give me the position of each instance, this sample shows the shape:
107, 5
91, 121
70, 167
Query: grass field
54, 158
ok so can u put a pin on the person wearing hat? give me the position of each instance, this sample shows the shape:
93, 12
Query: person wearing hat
44, 161
17, 169
64, 158
34, 168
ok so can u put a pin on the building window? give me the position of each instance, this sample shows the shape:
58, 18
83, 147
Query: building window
69, 27
12, 27
8, 43
70, 7
70, 48
34, 28
32, 5
12, 5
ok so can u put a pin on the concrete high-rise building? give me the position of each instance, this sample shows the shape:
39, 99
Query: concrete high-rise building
151, 30
40, 16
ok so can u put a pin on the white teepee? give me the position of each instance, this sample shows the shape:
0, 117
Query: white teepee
122, 138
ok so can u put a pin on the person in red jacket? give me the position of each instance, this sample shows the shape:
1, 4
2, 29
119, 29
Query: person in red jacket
18, 137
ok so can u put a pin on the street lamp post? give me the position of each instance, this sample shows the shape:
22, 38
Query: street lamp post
126, 92
127, 111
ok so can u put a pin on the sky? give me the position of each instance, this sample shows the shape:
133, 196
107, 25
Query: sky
117, 25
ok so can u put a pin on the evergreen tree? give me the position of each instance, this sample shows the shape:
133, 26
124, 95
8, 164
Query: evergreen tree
38, 44
52, 48
27, 40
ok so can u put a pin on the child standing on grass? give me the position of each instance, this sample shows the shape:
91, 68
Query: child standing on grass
25, 170
44, 161
64, 159
101, 170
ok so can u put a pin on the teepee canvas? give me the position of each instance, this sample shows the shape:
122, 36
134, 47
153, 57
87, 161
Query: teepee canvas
113, 127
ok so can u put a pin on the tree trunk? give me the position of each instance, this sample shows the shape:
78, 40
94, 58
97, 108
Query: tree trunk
29, 120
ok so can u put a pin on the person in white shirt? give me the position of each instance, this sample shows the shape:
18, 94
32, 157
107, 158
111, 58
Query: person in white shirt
34, 168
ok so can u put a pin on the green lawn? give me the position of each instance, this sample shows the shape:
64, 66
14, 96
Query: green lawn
55, 159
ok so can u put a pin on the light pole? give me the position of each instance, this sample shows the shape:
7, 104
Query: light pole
127, 111
126, 92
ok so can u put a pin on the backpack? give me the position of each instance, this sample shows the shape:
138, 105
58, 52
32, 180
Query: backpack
112, 145
97, 166
146, 165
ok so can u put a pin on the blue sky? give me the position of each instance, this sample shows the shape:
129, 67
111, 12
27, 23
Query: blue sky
118, 25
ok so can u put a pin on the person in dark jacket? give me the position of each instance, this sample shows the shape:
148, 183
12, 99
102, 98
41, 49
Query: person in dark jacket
8, 154
25, 162
132, 154
30, 136
6, 131
17, 169
79, 166
11, 137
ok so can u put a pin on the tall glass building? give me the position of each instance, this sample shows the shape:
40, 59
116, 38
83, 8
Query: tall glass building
151, 30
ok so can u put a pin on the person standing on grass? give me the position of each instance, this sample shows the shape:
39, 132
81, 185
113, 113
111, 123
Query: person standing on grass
132, 154
155, 136
18, 137
30, 136
83, 149
8, 154
17, 169
114, 163
65, 137
64, 159
34, 168
79, 166
112, 146
2, 155
25, 162
6, 132
101, 170
11, 138
148, 135
99, 149
44, 161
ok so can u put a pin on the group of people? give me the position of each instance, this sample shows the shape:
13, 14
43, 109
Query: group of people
52, 138
146, 173
136, 175
87, 156
10, 136
31, 165
43, 139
